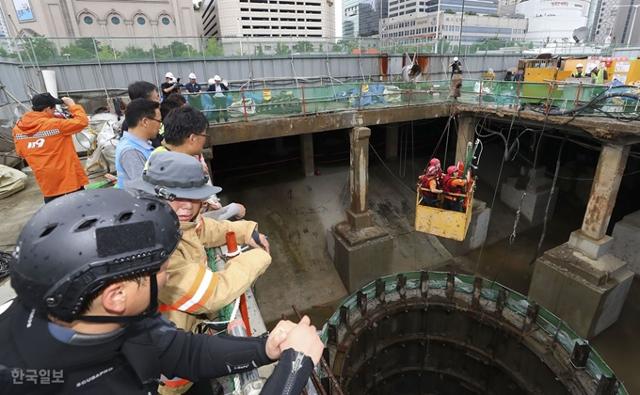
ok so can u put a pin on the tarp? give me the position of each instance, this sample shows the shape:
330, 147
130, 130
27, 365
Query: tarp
11, 181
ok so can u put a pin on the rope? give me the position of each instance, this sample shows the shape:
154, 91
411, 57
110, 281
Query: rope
514, 234
411, 189
547, 208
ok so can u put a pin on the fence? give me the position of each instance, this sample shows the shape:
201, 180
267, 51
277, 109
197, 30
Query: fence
41, 50
554, 97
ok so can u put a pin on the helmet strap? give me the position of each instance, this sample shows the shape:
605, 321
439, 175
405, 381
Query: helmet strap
148, 312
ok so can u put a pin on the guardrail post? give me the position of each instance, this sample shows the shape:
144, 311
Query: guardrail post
304, 107
244, 105
480, 96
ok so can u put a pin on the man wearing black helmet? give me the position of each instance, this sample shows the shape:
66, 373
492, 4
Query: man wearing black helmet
87, 272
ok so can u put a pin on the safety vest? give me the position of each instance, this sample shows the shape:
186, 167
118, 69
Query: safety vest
127, 142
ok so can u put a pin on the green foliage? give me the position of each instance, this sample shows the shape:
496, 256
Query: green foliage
132, 52
345, 46
81, 49
43, 48
303, 47
213, 48
282, 49
174, 50
447, 11
106, 52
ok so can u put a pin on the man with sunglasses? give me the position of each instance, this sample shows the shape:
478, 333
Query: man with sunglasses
134, 148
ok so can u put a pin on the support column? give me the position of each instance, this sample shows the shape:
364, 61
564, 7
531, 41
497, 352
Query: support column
391, 141
465, 133
306, 154
580, 281
362, 250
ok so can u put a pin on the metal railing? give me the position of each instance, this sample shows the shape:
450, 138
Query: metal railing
267, 103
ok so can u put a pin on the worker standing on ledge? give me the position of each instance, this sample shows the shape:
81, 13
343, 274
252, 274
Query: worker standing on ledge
45, 140
456, 78
579, 72
87, 272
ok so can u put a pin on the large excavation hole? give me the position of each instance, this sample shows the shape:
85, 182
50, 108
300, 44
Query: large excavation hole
437, 350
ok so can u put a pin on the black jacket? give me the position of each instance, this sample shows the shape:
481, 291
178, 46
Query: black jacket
130, 361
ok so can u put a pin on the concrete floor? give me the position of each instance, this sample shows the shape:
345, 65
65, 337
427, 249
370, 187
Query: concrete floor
295, 213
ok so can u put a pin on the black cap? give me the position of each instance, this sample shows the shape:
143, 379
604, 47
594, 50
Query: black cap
44, 100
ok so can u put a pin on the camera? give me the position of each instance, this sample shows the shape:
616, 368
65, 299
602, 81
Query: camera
178, 80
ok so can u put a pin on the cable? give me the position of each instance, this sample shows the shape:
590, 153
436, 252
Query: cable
412, 190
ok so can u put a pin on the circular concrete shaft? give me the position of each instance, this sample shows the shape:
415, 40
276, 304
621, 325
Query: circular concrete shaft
438, 333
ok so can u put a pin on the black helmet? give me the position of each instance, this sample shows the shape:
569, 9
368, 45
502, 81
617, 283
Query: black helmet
77, 244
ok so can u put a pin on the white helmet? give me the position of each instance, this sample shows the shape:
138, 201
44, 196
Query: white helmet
211, 81
579, 66
217, 78
455, 58
192, 76
169, 75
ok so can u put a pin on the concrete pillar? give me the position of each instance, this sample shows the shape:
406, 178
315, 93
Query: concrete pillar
362, 250
306, 154
613, 160
391, 141
466, 132
358, 213
580, 281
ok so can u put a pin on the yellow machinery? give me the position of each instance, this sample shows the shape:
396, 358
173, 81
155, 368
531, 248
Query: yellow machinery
444, 223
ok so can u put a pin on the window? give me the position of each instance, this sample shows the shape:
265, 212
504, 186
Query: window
88, 20
115, 20
165, 20
141, 21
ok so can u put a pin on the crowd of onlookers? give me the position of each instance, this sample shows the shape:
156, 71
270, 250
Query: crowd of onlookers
159, 163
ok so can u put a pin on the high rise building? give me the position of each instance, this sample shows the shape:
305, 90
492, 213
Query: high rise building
268, 18
399, 8
100, 18
626, 28
602, 19
553, 20
361, 18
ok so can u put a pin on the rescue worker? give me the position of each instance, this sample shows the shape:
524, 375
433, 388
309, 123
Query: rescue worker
45, 141
599, 74
453, 186
86, 273
578, 73
430, 183
194, 292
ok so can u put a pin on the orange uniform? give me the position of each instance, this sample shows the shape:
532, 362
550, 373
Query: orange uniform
45, 142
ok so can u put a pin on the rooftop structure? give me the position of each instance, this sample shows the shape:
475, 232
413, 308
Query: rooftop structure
552, 20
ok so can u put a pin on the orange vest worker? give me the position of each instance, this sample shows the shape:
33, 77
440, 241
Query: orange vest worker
45, 142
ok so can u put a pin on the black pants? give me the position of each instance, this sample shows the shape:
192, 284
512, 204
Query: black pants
47, 199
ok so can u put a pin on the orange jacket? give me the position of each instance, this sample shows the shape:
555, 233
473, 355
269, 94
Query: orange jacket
45, 142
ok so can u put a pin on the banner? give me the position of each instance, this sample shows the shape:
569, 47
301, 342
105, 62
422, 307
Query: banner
24, 12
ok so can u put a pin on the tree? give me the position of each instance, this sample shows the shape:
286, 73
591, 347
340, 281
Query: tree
213, 48
81, 49
303, 47
106, 52
282, 49
43, 48
345, 46
132, 52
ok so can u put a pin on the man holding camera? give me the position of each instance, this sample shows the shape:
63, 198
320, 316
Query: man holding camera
45, 140
170, 85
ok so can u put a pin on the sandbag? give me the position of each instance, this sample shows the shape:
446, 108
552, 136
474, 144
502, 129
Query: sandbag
11, 181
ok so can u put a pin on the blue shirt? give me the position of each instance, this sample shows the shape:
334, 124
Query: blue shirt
128, 150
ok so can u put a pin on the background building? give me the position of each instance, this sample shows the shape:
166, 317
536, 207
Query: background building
553, 20
268, 18
602, 19
361, 18
626, 29
398, 8
446, 25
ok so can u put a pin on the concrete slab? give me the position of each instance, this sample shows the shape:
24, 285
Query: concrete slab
534, 202
594, 249
567, 283
626, 241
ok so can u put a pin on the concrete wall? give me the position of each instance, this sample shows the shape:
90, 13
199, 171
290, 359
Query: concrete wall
117, 75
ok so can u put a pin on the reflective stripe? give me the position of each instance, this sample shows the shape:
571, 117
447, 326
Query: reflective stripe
175, 382
194, 287
44, 133
204, 286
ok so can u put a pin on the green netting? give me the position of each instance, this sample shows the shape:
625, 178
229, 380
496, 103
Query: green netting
515, 302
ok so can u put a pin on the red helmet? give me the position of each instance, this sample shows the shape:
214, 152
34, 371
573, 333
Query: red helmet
434, 162
432, 171
451, 169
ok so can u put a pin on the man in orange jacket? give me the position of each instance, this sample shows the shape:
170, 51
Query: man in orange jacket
45, 142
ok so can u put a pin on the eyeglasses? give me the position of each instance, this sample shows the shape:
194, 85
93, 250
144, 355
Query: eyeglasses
157, 120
